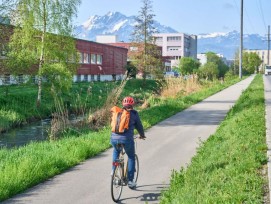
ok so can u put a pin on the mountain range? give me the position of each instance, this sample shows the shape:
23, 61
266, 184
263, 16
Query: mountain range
116, 23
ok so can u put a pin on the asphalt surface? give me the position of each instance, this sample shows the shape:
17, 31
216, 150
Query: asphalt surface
169, 145
267, 96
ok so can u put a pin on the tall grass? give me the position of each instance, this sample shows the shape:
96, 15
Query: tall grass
228, 166
180, 86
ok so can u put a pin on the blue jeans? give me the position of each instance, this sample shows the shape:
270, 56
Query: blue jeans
129, 146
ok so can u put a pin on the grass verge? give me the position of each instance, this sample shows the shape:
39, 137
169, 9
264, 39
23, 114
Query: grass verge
228, 166
27, 166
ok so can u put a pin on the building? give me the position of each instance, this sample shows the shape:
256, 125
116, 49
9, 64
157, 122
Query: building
98, 62
202, 58
106, 38
175, 46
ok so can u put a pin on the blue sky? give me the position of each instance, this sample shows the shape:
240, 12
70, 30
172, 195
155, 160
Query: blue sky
190, 16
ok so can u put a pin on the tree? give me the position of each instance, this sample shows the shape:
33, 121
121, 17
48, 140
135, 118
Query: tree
146, 58
43, 38
187, 65
131, 70
222, 67
251, 62
209, 70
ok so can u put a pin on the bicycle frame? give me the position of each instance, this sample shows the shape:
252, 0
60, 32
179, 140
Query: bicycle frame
120, 173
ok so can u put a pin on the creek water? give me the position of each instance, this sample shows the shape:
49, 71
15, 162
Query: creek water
33, 132
37, 131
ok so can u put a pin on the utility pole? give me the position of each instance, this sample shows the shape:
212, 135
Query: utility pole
241, 42
268, 43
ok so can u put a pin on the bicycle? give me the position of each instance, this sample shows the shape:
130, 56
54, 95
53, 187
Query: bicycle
119, 177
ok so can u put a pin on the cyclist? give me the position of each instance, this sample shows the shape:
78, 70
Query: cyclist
127, 138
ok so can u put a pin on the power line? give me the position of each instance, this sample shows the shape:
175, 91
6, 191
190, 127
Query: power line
261, 13
241, 40
238, 11
249, 20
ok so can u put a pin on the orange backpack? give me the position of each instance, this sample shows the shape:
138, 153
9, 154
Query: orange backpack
119, 120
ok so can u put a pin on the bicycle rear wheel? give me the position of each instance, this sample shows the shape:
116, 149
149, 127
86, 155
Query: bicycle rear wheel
116, 184
136, 168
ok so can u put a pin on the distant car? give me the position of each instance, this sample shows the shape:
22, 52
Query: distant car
267, 70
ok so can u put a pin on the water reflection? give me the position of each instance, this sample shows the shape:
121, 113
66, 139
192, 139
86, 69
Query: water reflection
37, 131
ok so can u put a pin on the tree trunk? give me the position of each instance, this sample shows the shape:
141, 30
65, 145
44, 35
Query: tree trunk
41, 61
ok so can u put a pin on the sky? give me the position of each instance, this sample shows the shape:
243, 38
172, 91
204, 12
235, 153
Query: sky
190, 16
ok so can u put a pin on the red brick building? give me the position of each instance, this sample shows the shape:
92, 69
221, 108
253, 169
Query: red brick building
132, 47
98, 62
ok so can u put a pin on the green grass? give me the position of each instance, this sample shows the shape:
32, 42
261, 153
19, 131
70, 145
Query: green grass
18, 104
227, 167
23, 167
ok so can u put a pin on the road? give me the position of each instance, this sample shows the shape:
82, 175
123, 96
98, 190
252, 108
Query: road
267, 96
169, 145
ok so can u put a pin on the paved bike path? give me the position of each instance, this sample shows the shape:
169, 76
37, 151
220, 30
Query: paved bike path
169, 145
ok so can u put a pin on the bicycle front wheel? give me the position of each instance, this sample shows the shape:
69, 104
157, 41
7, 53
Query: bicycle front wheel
116, 184
136, 168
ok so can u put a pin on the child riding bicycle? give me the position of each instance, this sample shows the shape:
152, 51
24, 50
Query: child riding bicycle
127, 139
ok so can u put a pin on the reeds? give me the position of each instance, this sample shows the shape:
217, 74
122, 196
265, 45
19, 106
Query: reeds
173, 87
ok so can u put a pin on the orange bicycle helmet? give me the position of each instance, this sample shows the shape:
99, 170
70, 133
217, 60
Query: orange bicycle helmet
128, 101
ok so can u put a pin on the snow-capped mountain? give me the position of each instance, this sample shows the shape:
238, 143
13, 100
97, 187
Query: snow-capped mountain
228, 43
113, 23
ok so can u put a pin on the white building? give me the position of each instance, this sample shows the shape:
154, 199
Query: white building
203, 58
106, 38
175, 46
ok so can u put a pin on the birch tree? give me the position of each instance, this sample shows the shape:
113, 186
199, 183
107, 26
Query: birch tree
43, 39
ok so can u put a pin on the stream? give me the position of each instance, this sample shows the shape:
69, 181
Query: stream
33, 132
37, 131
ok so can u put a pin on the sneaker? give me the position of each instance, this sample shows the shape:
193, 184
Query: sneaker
131, 184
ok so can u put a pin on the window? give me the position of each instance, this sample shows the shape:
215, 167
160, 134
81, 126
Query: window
78, 78
85, 77
114, 77
81, 57
133, 48
174, 38
92, 77
7, 79
20, 79
93, 58
99, 59
173, 48
98, 77
86, 58
159, 39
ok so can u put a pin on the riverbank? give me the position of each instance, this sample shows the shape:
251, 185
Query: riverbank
27, 166
18, 103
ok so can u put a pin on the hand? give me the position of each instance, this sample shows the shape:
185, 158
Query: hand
142, 137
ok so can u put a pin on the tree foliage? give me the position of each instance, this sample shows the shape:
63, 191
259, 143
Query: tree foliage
209, 70
147, 56
222, 67
144, 27
188, 65
43, 37
251, 62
